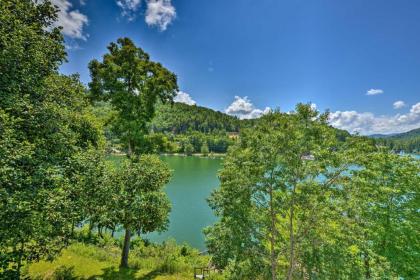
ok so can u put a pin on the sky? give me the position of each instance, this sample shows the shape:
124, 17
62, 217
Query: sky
358, 59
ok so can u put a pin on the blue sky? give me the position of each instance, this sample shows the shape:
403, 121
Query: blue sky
359, 59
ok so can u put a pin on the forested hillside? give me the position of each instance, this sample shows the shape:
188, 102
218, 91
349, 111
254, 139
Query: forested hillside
408, 142
181, 118
181, 128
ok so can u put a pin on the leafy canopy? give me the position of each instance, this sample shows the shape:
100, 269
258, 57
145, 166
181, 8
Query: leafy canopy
133, 84
45, 122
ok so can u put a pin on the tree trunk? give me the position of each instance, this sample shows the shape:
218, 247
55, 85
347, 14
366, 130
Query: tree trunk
367, 266
90, 229
126, 248
130, 149
100, 231
272, 238
292, 240
19, 264
72, 228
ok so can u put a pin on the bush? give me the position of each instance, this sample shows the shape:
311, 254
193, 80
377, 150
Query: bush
188, 149
62, 273
106, 254
205, 149
185, 251
174, 264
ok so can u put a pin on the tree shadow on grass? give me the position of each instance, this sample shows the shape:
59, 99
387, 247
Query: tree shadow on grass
112, 273
150, 276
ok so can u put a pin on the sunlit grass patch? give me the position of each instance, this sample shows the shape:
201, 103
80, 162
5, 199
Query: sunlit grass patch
87, 262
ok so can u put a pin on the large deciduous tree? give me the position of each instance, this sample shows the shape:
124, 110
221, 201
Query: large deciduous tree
385, 206
133, 85
298, 202
138, 201
44, 123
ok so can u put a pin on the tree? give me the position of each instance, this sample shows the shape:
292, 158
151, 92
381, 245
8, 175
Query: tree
139, 202
31, 50
388, 215
133, 84
205, 149
188, 149
280, 200
44, 123
91, 189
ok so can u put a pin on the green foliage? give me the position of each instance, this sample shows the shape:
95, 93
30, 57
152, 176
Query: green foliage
93, 187
45, 124
408, 142
176, 125
188, 149
140, 204
156, 261
31, 50
388, 215
298, 202
63, 273
137, 200
180, 118
205, 149
132, 83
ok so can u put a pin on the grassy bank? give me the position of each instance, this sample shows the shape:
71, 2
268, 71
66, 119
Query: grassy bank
168, 261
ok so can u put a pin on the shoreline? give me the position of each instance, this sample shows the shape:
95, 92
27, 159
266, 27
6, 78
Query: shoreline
210, 155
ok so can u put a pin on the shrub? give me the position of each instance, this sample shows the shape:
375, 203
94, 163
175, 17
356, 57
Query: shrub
62, 273
174, 264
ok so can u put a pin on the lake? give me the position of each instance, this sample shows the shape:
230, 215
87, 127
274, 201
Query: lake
192, 182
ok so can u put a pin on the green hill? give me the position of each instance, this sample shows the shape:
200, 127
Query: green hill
408, 142
180, 118
182, 128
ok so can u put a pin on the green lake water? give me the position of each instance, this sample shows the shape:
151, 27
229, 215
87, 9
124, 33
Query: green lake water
193, 179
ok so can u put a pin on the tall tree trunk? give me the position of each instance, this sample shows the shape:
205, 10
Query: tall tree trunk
292, 239
100, 228
272, 238
72, 228
367, 266
90, 229
126, 248
19, 264
130, 149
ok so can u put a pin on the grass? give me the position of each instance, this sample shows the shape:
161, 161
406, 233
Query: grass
168, 261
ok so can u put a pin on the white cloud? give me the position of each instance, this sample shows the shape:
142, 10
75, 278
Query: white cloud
399, 104
374, 91
72, 21
129, 8
184, 97
160, 13
244, 109
367, 123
